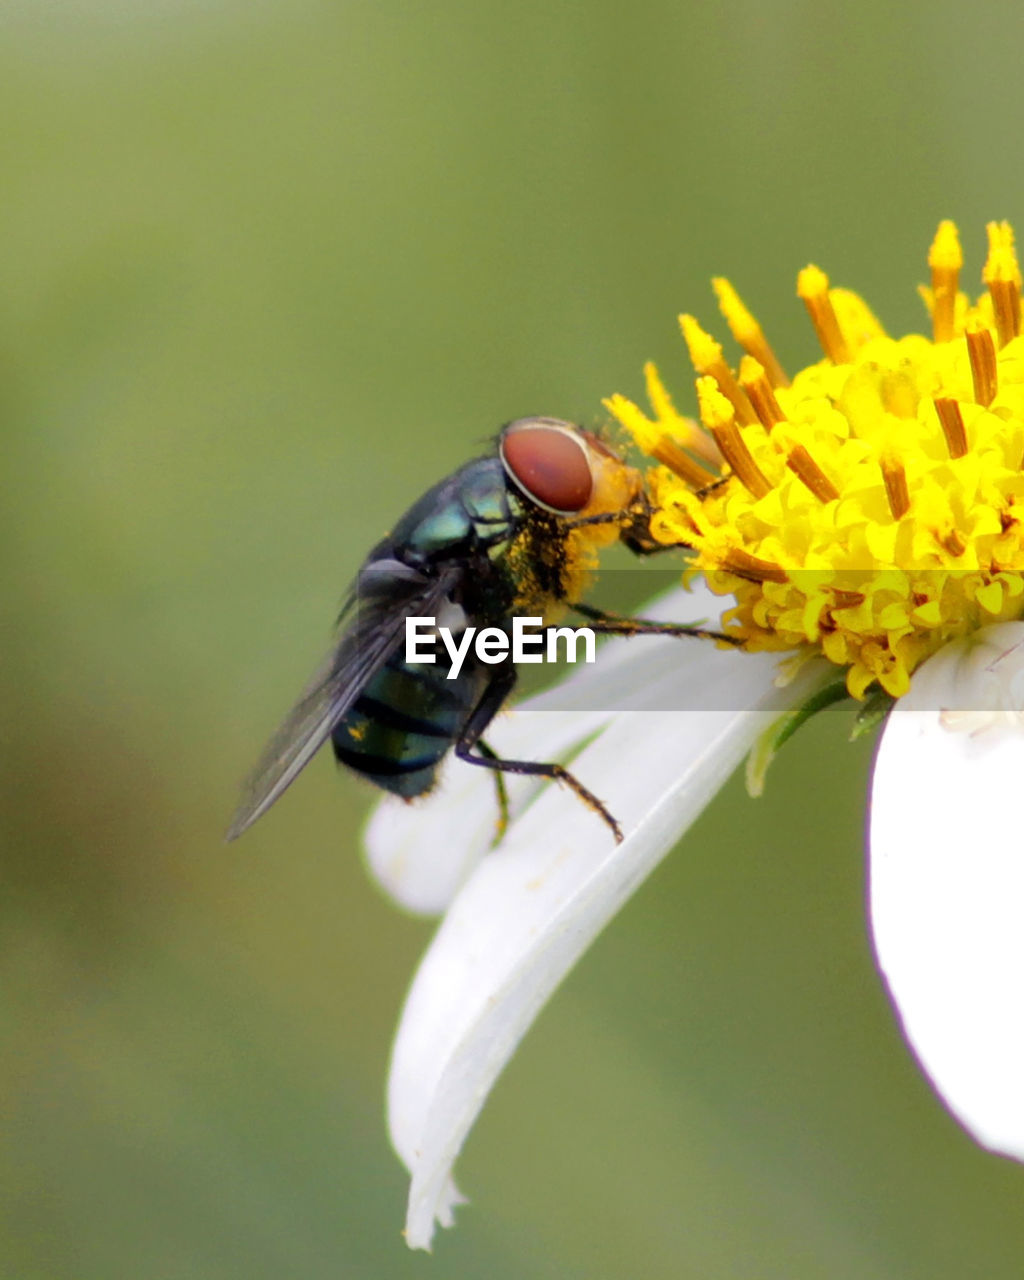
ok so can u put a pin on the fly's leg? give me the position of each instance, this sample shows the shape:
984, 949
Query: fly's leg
486, 709
614, 624
634, 525
489, 753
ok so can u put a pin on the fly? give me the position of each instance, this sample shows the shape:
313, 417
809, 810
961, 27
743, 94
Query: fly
509, 534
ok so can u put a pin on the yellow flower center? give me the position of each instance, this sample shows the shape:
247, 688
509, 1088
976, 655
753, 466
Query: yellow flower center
871, 509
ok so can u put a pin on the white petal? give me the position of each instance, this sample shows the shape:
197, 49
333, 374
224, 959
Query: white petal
421, 853
947, 877
532, 907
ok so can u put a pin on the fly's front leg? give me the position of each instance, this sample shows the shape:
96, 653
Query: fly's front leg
486, 709
614, 624
634, 526
637, 536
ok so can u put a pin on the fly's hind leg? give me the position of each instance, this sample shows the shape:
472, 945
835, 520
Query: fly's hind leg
614, 624
486, 709
537, 769
488, 753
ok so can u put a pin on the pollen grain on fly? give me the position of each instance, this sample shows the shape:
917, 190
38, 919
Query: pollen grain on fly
871, 507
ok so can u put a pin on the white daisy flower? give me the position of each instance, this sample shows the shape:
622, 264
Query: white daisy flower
868, 522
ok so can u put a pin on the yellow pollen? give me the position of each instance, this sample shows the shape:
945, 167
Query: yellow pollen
812, 289
894, 476
747, 332
759, 391
952, 426
707, 358
1002, 276
717, 415
981, 351
945, 259
803, 465
872, 509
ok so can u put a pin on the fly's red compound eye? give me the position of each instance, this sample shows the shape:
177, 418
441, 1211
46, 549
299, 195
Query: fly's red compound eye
548, 462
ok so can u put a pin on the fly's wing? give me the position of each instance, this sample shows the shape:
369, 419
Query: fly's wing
386, 593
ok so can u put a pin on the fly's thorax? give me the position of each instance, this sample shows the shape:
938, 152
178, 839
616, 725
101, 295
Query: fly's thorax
468, 510
493, 510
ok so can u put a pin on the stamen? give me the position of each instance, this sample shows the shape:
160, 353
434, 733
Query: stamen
804, 466
707, 358
952, 425
754, 382
953, 542
1002, 276
744, 565
685, 430
736, 454
812, 288
651, 438
982, 353
895, 476
717, 415
747, 332
945, 259
671, 455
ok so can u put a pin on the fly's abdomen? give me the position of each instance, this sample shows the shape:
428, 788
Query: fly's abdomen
403, 724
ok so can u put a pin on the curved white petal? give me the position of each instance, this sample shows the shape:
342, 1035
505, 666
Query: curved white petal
532, 907
947, 877
421, 853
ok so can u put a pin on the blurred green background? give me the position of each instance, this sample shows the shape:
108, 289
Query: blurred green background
265, 270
